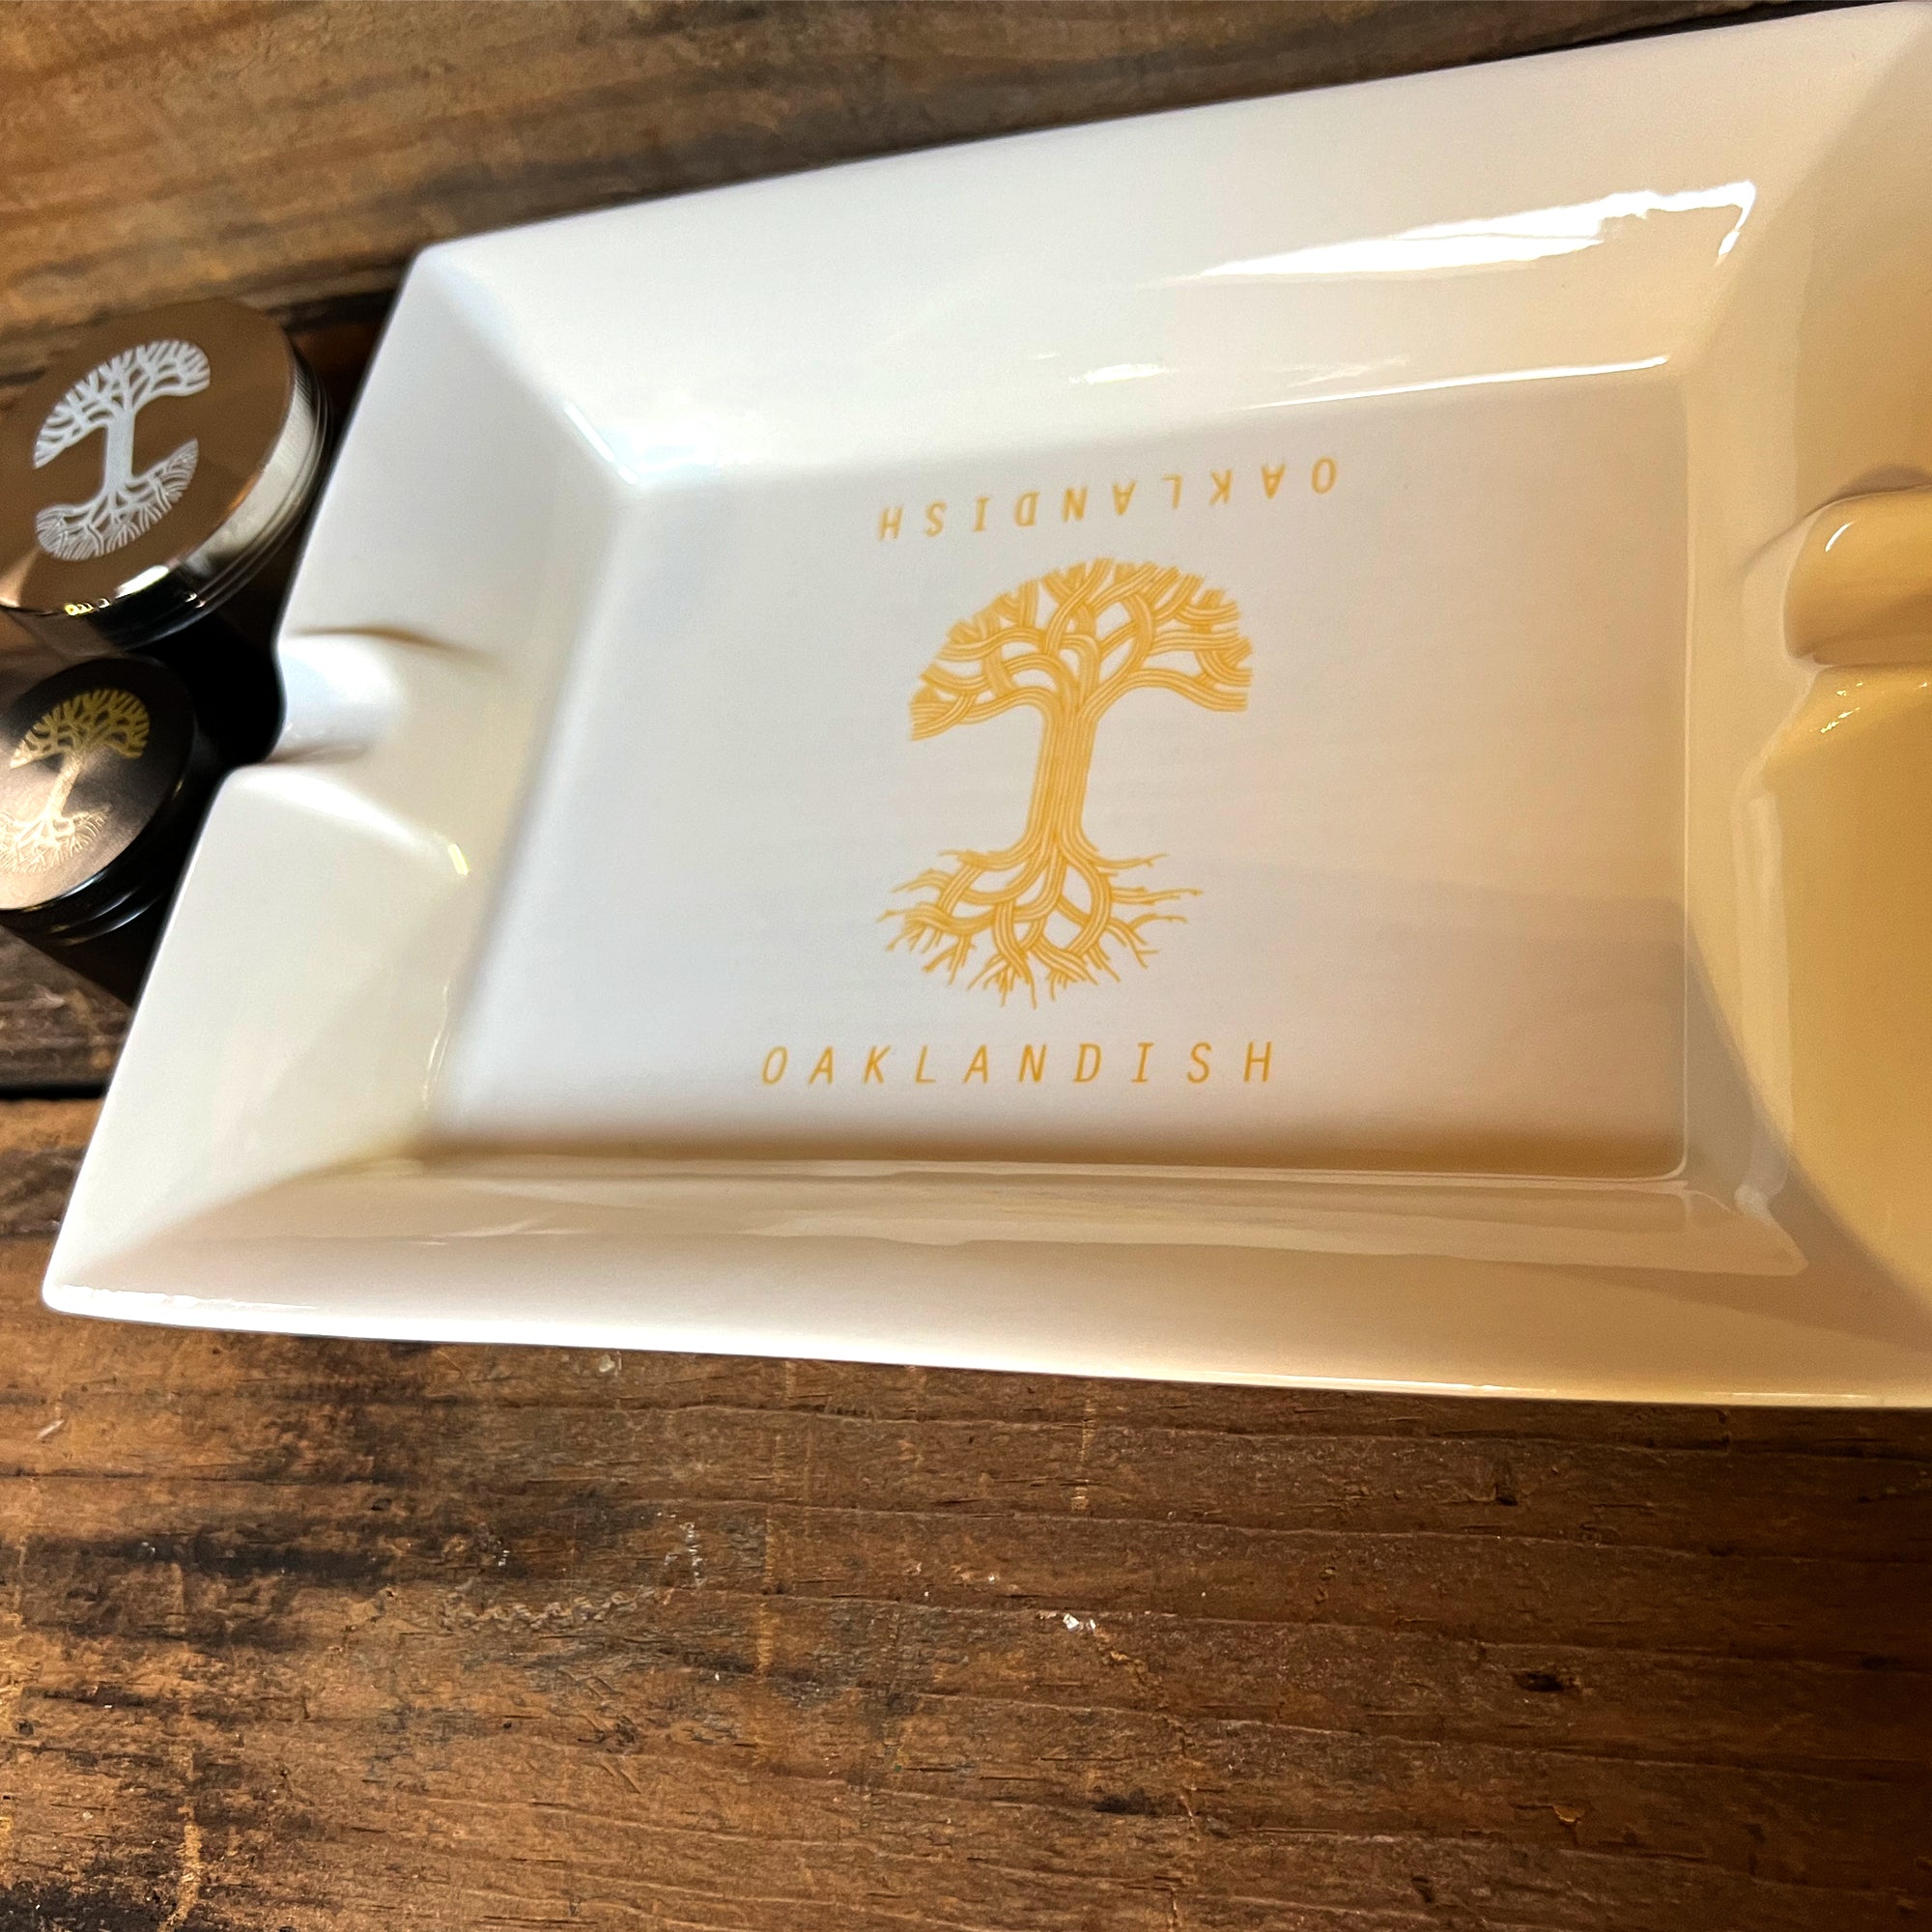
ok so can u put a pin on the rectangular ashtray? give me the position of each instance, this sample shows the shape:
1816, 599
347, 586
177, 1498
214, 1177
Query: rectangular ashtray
1169, 748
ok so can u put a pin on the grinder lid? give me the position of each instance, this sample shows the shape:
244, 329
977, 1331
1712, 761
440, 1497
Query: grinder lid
99, 764
151, 469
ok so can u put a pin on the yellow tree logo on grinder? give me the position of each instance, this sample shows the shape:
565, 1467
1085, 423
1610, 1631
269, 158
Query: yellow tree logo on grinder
72, 733
1051, 909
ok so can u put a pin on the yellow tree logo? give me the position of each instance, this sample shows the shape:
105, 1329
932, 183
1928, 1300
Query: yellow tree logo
1050, 909
73, 731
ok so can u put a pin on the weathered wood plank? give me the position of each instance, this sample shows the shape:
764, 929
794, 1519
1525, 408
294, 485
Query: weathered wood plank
57, 1031
40, 1145
346, 1634
298, 154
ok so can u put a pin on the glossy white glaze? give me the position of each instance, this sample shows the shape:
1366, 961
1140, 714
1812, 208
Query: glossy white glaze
1497, 401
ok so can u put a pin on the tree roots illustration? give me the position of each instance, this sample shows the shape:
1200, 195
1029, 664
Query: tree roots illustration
37, 844
118, 512
1050, 910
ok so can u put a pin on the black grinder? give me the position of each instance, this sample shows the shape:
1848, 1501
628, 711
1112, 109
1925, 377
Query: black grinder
153, 485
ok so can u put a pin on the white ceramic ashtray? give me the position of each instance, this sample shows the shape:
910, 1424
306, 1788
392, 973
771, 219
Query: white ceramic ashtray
1285, 742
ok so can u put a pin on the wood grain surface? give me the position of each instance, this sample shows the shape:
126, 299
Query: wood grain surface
360, 1635
354, 1635
297, 154
57, 1032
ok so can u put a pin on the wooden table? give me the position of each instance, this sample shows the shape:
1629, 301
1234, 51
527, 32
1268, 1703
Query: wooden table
325, 1635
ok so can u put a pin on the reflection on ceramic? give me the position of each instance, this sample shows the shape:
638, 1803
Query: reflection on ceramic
1860, 589
1238, 745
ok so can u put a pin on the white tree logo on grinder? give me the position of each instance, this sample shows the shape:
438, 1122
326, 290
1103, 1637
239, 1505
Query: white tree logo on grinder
110, 398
